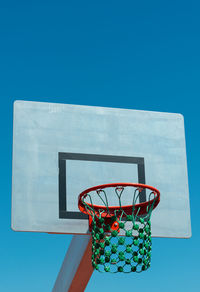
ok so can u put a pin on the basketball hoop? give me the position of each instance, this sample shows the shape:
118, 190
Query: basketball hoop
121, 234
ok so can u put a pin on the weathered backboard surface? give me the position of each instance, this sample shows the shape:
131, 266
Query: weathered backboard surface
59, 150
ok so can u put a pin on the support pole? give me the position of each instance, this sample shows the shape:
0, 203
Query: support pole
76, 268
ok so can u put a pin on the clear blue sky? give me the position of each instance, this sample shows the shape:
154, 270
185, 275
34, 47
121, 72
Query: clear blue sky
129, 54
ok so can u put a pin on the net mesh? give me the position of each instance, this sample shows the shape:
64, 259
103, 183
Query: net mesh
121, 242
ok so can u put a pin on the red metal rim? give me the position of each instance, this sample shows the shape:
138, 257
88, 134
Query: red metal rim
139, 209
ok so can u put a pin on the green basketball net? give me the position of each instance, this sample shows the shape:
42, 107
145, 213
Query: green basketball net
121, 234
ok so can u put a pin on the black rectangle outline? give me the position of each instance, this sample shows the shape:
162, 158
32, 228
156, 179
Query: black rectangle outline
63, 157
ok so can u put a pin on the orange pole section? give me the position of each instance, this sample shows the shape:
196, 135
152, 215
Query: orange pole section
84, 271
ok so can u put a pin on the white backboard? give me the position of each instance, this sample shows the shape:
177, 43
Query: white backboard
59, 150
